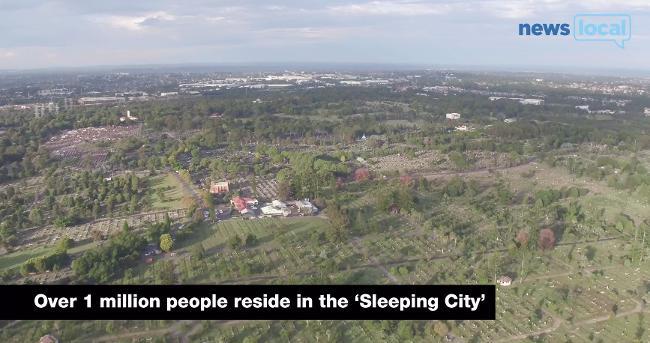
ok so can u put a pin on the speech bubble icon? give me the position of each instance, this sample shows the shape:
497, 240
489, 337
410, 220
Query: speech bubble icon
603, 27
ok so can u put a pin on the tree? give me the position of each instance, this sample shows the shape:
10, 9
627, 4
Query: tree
64, 244
546, 239
198, 251
361, 174
406, 180
7, 234
166, 242
405, 199
251, 240
339, 220
590, 252
284, 190
522, 238
235, 242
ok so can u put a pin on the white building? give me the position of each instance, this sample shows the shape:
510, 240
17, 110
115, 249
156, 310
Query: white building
350, 83
306, 207
97, 100
452, 116
504, 281
275, 209
536, 102
464, 128
278, 204
509, 120
647, 111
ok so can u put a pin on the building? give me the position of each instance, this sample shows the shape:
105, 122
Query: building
98, 100
536, 102
242, 203
464, 128
509, 120
276, 208
128, 117
504, 281
279, 204
306, 207
48, 339
220, 187
41, 110
583, 108
646, 111
452, 116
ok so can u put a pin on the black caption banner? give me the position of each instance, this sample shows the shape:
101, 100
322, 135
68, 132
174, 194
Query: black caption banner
248, 302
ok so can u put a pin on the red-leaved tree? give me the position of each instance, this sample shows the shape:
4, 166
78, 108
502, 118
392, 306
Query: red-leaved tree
546, 239
361, 174
522, 238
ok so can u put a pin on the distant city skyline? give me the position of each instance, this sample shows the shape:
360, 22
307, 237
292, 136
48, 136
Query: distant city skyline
74, 33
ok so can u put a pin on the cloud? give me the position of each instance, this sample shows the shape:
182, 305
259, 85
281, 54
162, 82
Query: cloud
7, 54
394, 8
150, 31
307, 33
135, 23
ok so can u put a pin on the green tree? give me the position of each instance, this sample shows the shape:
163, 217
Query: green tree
166, 242
198, 251
235, 242
339, 220
251, 240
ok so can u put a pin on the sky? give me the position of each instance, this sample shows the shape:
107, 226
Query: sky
77, 33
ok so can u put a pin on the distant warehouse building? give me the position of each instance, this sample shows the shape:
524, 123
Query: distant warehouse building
452, 116
536, 102
100, 100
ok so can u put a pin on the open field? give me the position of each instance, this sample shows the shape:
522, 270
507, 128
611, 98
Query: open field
15, 259
171, 190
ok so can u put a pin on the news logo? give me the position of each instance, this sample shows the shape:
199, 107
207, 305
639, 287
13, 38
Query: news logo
603, 27
598, 27
538, 29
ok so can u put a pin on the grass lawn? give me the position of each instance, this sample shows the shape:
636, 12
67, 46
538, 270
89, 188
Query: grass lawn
172, 190
15, 259
214, 235
82, 247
